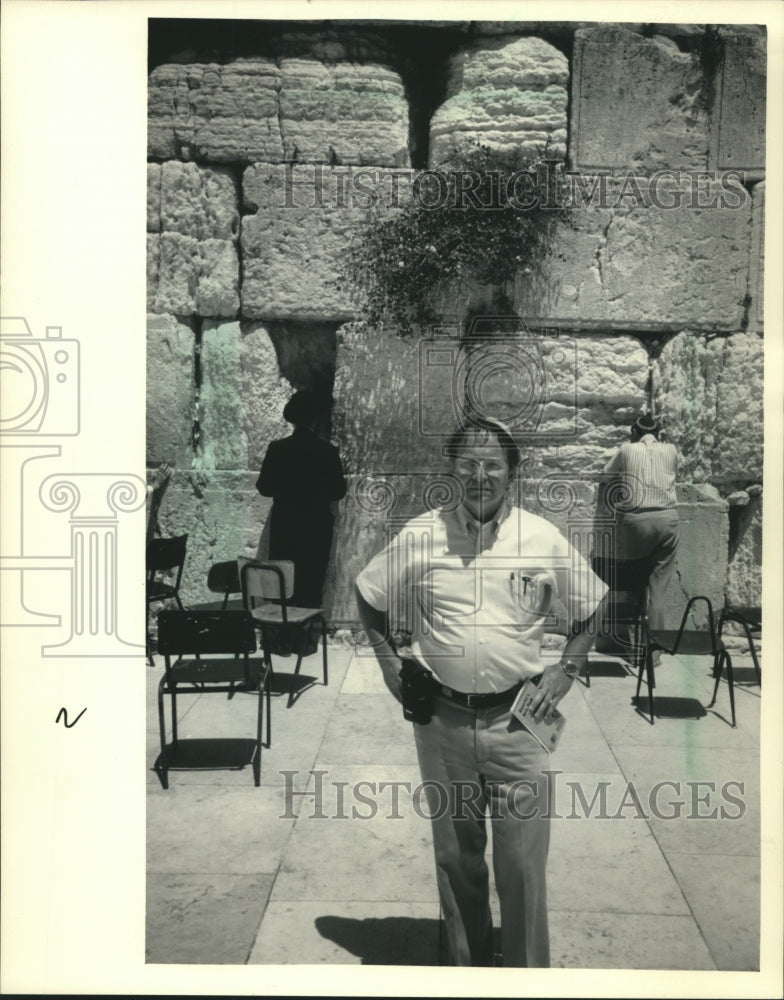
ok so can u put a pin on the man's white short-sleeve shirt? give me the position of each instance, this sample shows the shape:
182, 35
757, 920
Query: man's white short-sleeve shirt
474, 605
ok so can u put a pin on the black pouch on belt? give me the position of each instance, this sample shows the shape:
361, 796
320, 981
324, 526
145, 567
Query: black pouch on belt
419, 692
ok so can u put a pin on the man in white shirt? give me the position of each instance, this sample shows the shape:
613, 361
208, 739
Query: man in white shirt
474, 584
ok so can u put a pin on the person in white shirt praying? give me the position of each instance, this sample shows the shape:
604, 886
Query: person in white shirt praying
647, 522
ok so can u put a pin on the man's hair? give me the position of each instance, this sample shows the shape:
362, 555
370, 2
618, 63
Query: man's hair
484, 426
646, 423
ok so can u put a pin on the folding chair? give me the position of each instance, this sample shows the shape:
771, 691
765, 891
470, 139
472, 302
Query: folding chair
164, 555
207, 652
284, 628
692, 642
750, 620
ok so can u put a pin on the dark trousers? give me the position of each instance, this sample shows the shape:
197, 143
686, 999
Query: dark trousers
306, 539
651, 534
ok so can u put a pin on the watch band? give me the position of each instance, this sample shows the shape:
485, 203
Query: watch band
570, 668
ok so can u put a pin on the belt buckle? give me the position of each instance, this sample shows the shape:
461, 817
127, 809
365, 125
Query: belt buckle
471, 700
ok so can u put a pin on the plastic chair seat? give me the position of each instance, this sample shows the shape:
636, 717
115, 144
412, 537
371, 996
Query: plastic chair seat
750, 615
216, 670
272, 614
233, 605
158, 591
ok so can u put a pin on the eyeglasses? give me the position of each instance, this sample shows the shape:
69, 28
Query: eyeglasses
468, 467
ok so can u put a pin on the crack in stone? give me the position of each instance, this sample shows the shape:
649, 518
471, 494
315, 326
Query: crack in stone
599, 251
278, 90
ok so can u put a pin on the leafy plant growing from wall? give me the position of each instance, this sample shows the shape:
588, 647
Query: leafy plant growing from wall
486, 220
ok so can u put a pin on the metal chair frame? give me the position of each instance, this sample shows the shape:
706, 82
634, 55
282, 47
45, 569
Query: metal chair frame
191, 637
264, 620
696, 643
750, 620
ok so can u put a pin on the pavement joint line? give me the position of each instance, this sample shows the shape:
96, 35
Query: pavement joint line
284, 851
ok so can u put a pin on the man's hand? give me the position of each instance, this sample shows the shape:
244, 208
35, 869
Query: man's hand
551, 688
390, 669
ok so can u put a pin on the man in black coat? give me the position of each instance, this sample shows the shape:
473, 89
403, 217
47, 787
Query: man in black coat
304, 476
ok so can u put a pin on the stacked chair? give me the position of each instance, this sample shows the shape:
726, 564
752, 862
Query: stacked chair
164, 557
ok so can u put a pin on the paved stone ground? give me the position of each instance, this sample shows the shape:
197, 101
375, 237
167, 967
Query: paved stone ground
246, 875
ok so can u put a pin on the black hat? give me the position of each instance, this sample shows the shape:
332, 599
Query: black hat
302, 408
647, 424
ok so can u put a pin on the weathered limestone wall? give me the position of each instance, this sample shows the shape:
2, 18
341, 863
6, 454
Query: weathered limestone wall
509, 92
264, 165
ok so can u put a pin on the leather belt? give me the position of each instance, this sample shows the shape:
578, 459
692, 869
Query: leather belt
491, 700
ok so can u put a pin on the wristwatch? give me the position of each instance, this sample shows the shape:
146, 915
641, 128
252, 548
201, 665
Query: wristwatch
570, 668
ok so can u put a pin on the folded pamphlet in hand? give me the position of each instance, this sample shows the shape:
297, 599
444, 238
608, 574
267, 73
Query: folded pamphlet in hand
548, 730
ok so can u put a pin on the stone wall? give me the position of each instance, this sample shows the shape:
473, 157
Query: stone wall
267, 156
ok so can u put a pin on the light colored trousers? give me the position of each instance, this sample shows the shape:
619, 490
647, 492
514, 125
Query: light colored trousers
476, 762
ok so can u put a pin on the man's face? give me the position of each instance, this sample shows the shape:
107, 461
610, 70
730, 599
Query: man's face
481, 467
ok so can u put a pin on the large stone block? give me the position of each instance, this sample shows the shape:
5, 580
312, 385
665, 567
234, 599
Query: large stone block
757, 260
653, 255
223, 113
687, 375
744, 573
188, 276
737, 454
738, 140
306, 353
568, 398
382, 421
242, 397
638, 103
701, 558
292, 246
153, 267
224, 443
223, 515
171, 390
506, 92
343, 113
264, 391
710, 397
201, 202
153, 197
312, 105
